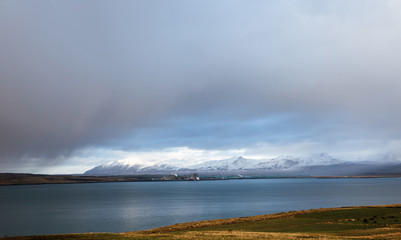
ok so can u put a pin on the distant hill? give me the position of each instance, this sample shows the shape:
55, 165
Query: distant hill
320, 164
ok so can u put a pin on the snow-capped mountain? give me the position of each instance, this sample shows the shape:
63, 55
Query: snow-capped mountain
275, 164
234, 165
117, 167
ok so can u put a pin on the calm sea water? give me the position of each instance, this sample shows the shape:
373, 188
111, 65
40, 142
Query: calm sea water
119, 207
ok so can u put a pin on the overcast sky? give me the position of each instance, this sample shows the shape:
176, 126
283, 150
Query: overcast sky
86, 82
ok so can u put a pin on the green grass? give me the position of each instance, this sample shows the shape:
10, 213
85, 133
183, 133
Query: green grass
376, 222
342, 221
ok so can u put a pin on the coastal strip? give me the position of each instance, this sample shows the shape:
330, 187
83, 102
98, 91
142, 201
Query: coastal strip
361, 222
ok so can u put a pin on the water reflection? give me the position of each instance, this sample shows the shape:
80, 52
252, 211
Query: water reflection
119, 207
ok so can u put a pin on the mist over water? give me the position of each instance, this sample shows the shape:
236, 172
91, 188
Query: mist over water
121, 207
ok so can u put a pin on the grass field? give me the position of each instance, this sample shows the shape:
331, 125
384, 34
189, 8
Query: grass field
371, 222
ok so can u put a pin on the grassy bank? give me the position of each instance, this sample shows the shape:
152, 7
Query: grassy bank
372, 222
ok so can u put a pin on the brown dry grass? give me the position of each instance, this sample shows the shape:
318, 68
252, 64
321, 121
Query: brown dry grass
235, 235
244, 235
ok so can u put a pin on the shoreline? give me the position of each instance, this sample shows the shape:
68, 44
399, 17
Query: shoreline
216, 222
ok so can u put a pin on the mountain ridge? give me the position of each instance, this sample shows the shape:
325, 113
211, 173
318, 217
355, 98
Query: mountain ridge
313, 164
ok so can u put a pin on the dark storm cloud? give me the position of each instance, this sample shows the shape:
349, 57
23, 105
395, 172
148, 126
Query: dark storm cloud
74, 74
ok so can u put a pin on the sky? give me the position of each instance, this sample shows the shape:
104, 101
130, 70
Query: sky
87, 82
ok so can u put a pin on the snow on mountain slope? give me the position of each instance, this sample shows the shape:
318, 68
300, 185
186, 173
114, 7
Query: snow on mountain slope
234, 163
318, 159
124, 163
118, 167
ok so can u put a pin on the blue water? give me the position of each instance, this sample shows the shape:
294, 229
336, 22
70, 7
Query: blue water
120, 207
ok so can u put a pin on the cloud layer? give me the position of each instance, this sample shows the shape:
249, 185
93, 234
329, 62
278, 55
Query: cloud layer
148, 75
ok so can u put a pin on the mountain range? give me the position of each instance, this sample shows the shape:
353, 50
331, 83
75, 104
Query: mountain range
320, 164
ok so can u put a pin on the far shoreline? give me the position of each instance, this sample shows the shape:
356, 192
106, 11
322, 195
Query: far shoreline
14, 179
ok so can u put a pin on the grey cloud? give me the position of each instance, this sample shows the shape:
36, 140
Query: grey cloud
75, 74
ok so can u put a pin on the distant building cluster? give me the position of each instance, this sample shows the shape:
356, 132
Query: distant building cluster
176, 177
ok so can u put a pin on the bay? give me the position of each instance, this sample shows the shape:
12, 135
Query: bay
132, 206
